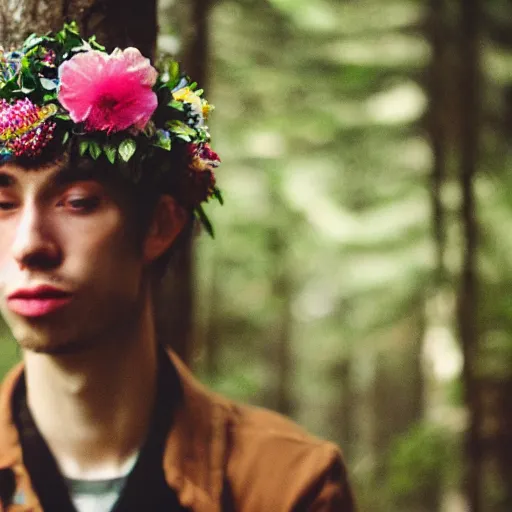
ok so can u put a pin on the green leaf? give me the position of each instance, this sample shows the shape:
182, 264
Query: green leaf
218, 195
65, 138
178, 105
181, 130
110, 152
72, 27
47, 84
163, 141
83, 147
33, 40
127, 149
205, 221
95, 149
25, 63
174, 74
64, 117
28, 81
95, 45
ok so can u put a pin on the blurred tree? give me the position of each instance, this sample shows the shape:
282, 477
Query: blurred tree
437, 78
350, 134
494, 364
320, 111
469, 328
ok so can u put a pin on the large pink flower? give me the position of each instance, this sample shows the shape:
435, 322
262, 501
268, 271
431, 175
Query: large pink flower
108, 92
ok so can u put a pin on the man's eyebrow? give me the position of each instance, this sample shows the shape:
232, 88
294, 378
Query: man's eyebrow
6, 180
68, 175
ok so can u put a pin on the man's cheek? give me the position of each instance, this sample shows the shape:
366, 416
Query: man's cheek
8, 273
7, 237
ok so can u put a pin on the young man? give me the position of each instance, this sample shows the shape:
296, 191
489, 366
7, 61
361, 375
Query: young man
101, 173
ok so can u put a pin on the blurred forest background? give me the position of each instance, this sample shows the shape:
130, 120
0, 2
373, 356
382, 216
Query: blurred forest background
359, 280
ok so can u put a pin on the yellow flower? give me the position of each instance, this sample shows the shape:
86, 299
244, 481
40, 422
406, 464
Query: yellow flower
187, 95
207, 108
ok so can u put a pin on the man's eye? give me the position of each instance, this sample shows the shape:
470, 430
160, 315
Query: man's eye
7, 205
80, 204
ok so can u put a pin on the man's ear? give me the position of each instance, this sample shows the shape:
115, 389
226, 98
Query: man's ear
167, 222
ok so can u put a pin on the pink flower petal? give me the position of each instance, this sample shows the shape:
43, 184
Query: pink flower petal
108, 92
77, 83
139, 66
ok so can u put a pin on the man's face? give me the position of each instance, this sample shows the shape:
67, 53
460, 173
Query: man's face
70, 273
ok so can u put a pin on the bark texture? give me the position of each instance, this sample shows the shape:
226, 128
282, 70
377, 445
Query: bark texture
116, 22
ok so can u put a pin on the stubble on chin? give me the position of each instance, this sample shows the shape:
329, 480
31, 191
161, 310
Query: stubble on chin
47, 336
52, 347
41, 342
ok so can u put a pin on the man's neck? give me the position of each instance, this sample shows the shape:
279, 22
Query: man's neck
94, 408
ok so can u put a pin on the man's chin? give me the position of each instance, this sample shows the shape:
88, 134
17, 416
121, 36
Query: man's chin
44, 337
52, 347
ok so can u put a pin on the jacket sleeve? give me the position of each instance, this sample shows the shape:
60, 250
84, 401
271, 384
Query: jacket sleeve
330, 491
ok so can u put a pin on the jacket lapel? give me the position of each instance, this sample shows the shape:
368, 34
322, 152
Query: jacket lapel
11, 460
194, 459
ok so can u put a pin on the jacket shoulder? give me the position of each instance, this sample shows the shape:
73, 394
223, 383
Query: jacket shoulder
234, 457
273, 464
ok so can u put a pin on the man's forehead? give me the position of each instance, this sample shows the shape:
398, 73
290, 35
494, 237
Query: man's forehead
60, 171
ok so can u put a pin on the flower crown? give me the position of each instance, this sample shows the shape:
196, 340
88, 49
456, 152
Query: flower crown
60, 91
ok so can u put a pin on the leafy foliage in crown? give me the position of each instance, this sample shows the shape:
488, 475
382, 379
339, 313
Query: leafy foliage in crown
60, 90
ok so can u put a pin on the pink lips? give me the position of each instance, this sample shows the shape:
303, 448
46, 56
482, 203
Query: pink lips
39, 301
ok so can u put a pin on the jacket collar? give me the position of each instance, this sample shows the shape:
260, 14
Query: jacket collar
194, 457
10, 448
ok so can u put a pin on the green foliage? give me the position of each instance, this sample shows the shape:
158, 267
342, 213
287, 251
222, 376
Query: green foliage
418, 465
110, 152
181, 130
127, 149
95, 149
28, 72
205, 221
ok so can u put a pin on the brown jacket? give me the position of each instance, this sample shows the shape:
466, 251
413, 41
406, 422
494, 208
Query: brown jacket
220, 456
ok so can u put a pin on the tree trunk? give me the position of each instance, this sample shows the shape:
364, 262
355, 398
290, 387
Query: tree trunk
177, 311
467, 301
196, 44
437, 79
116, 22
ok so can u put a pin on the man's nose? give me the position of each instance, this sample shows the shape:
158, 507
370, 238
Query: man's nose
35, 247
